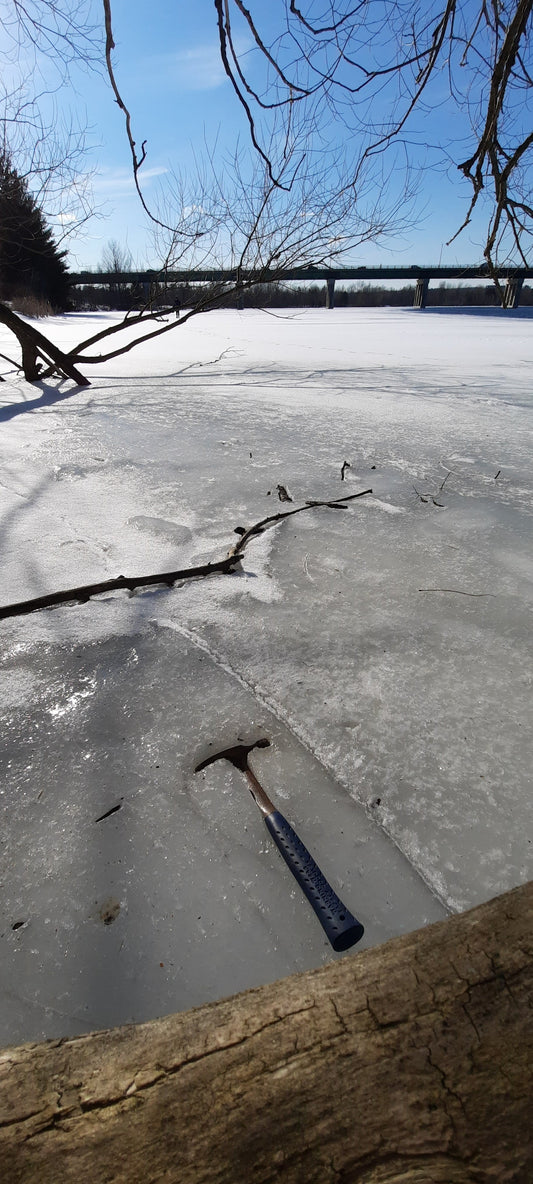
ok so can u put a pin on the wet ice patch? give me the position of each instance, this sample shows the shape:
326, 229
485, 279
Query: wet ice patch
174, 532
74, 700
377, 504
261, 583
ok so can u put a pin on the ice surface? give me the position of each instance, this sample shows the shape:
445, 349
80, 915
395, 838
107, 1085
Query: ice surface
384, 649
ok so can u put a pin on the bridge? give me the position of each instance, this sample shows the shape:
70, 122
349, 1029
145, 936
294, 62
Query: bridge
512, 278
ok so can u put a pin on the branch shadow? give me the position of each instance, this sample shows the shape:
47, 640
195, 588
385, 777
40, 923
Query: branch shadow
49, 396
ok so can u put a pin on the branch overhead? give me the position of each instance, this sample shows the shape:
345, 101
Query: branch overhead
375, 75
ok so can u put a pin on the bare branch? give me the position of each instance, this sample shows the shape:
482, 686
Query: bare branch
85, 592
363, 72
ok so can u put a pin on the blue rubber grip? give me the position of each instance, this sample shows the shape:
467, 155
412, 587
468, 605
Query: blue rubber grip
342, 929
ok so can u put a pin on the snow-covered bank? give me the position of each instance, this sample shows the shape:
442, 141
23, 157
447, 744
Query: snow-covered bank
383, 648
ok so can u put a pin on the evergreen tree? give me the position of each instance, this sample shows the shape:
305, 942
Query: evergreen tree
30, 262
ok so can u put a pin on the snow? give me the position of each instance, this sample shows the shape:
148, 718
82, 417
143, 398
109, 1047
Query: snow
384, 649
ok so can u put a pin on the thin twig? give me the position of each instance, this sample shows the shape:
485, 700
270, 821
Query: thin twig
10, 360
457, 591
258, 527
432, 497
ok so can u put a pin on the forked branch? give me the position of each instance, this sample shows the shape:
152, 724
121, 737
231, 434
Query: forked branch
85, 592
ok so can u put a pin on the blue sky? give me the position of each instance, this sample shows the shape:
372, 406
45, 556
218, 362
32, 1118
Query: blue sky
168, 68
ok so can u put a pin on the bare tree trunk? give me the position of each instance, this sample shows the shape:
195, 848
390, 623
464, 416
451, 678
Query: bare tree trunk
34, 344
30, 365
410, 1063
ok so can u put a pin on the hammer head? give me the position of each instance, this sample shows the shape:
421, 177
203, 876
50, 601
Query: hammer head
237, 755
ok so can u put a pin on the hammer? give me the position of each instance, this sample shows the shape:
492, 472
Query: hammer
342, 929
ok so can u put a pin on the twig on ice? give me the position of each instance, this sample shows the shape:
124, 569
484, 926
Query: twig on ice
432, 497
84, 593
259, 527
457, 591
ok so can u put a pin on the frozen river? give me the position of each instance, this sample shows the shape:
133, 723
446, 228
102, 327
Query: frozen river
384, 649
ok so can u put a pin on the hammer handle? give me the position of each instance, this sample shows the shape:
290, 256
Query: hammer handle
342, 929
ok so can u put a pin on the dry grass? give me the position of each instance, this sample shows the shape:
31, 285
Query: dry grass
31, 306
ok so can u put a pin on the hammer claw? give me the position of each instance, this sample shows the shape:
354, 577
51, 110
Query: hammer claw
237, 755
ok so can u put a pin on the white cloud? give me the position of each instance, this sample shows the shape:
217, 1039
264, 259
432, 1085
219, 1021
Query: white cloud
116, 183
197, 68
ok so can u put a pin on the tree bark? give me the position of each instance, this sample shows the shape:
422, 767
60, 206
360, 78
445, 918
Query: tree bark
409, 1063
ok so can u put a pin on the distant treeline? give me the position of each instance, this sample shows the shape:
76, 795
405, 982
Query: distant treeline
89, 297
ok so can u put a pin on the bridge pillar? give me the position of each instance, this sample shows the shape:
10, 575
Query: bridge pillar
330, 293
421, 292
511, 293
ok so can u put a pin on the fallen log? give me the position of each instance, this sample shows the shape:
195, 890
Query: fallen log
410, 1063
